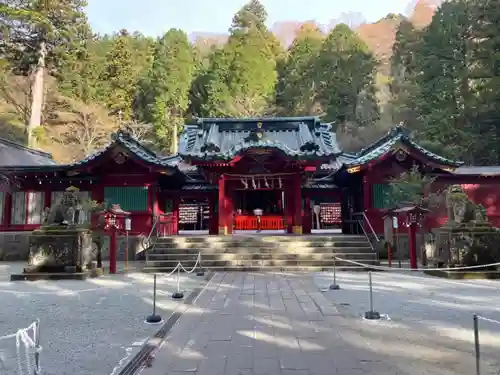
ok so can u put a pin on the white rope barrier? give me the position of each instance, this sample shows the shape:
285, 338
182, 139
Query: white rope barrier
477, 347
198, 258
175, 269
31, 346
384, 268
487, 319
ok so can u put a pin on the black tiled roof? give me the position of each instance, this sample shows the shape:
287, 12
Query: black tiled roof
14, 154
222, 139
389, 141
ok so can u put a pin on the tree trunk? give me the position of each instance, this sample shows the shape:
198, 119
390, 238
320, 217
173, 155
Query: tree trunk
37, 94
174, 139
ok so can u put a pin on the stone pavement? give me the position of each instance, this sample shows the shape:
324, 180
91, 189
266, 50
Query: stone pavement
264, 324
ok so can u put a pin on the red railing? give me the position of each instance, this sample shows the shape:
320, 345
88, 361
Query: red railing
244, 222
165, 225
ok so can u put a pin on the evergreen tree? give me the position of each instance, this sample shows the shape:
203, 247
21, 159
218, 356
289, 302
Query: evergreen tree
486, 81
297, 88
36, 38
242, 76
404, 69
169, 81
79, 77
444, 61
345, 69
120, 77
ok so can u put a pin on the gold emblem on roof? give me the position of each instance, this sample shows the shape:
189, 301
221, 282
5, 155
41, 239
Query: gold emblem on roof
259, 125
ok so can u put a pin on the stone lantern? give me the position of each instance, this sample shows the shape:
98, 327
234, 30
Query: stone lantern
115, 220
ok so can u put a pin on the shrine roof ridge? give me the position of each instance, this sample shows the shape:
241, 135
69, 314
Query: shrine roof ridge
224, 138
383, 145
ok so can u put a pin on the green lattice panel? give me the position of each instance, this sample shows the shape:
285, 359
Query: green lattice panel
381, 196
130, 198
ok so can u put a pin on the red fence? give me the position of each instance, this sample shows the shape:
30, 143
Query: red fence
243, 222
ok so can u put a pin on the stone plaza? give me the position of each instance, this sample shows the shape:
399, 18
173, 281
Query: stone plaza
262, 323
281, 323
87, 327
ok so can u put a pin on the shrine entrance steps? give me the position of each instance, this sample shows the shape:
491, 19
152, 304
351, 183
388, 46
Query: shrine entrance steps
254, 252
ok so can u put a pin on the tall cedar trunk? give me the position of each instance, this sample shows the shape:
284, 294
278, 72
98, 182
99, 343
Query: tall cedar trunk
37, 94
174, 140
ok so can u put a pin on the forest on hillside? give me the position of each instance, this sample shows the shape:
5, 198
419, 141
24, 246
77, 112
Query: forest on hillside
68, 88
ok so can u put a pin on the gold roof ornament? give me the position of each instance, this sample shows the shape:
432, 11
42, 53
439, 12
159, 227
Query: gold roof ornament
72, 189
259, 125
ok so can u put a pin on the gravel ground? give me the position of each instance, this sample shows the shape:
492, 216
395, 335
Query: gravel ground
87, 327
428, 321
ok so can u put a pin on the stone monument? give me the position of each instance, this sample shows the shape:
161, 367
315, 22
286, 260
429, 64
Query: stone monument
61, 248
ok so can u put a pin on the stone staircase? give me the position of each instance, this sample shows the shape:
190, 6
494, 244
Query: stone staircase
260, 252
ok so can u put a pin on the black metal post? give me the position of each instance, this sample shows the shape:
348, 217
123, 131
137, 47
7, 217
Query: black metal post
153, 318
333, 285
154, 294
371, 314
476, 344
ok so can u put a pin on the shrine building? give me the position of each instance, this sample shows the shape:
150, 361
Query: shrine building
274, 175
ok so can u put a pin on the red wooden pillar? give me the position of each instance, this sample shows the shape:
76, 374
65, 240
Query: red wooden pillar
112, 250
176, 201
412, 243
307, 224
222, 206
7, 209
47, 199
297, 204
214, 216
288, 207
229, 211
366, 193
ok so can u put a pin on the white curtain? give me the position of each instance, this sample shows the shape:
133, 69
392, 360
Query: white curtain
18, 214
55, 197
35, 207
85, 215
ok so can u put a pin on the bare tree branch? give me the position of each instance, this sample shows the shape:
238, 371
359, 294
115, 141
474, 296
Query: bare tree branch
141, 131
16, 92
87, 130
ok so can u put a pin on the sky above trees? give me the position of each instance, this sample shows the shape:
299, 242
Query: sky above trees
155, 17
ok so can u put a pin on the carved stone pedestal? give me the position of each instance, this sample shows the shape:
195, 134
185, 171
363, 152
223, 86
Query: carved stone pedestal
59, 252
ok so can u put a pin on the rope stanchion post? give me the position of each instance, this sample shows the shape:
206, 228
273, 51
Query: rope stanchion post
334, 285
154, 318
37, 348
371, 314
476, 344
178, 294
200, 271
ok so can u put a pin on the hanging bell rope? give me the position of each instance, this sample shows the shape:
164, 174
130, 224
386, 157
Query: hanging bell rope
266, 183
253, 183
244, 182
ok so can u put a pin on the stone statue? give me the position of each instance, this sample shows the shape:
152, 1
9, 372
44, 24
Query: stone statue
67, 210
